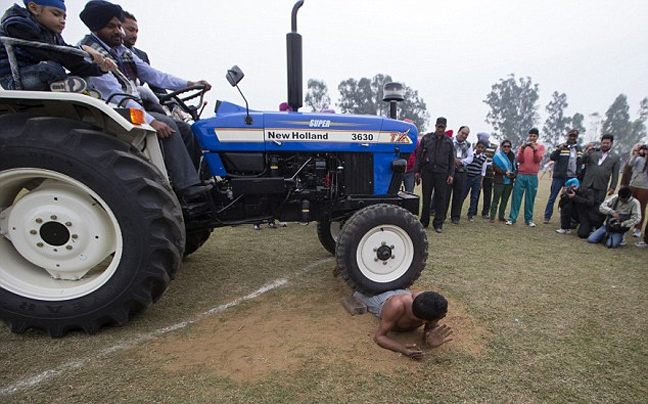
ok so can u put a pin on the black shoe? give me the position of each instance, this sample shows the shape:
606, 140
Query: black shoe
194, 191
455, 221
438, 230
425, 225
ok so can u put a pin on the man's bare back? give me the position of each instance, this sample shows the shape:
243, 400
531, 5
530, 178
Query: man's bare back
398, 314
407, 321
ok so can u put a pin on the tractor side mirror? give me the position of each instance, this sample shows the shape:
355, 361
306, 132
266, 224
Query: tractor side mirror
234, 75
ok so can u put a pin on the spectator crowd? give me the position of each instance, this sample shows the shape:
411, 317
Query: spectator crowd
584, 183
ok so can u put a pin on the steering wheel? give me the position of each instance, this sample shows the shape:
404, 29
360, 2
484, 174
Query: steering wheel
194, 110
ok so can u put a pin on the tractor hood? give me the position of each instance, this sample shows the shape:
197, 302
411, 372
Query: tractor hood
297, 131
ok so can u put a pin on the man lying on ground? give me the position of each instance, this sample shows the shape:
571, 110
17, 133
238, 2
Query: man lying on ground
404, 311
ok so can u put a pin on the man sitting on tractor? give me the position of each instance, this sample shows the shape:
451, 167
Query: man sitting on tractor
104, 20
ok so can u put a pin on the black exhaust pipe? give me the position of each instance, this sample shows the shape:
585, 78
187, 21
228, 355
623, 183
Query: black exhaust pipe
294, 53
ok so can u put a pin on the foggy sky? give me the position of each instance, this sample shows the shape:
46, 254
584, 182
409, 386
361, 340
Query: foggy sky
451, 52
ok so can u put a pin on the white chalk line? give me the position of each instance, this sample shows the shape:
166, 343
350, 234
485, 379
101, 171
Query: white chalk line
59, 370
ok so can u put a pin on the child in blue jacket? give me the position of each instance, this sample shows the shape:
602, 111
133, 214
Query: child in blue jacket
41, 69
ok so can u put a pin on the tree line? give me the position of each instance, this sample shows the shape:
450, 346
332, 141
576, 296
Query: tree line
513, 110
365, 97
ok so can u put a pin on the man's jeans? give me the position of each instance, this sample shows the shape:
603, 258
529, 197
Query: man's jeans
473, 187
556, 185
613, 240
36, 77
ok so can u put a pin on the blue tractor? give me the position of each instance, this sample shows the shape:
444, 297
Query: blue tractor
91, 231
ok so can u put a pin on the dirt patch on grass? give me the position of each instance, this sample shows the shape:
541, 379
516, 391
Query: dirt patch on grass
286, 331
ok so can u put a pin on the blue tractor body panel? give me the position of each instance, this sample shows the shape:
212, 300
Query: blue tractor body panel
296, 132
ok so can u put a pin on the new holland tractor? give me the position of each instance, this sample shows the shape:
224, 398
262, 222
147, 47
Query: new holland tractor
92, 233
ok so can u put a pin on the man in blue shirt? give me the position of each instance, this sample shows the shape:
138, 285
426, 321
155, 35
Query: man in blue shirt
104, 20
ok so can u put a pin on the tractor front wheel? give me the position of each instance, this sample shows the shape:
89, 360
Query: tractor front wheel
381, 247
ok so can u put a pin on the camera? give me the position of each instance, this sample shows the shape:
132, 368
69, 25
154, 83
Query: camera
528, 144
613, 225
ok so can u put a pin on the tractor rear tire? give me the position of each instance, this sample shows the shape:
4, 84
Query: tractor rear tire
195, 240
328, 233
381, 247
89, 235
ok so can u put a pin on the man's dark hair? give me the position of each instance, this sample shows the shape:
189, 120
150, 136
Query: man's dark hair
625, 192
608, 136
129, 16
429, 306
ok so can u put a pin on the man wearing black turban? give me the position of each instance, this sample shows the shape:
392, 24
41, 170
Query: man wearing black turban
98, 13
104, 19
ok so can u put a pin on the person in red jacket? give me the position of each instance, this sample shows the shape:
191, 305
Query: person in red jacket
526, 183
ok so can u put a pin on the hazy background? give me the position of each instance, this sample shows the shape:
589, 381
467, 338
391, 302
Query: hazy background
451, 52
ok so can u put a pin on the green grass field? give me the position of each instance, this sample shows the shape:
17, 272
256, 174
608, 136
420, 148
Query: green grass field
538, 317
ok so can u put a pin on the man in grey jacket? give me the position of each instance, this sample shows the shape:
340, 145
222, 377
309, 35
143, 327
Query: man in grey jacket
601, 169
622, 212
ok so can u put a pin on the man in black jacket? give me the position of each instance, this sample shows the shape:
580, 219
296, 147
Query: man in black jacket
435, 165
567, 157
579, 205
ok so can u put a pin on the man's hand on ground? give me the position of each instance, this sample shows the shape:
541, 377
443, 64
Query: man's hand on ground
163, 130
412, 352
438, 336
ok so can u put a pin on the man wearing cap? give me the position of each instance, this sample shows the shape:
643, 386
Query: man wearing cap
526, 184
435, 165
567, 157
104, 19
578, 205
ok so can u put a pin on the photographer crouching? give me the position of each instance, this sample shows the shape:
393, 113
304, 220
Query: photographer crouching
622, 212
578, 205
